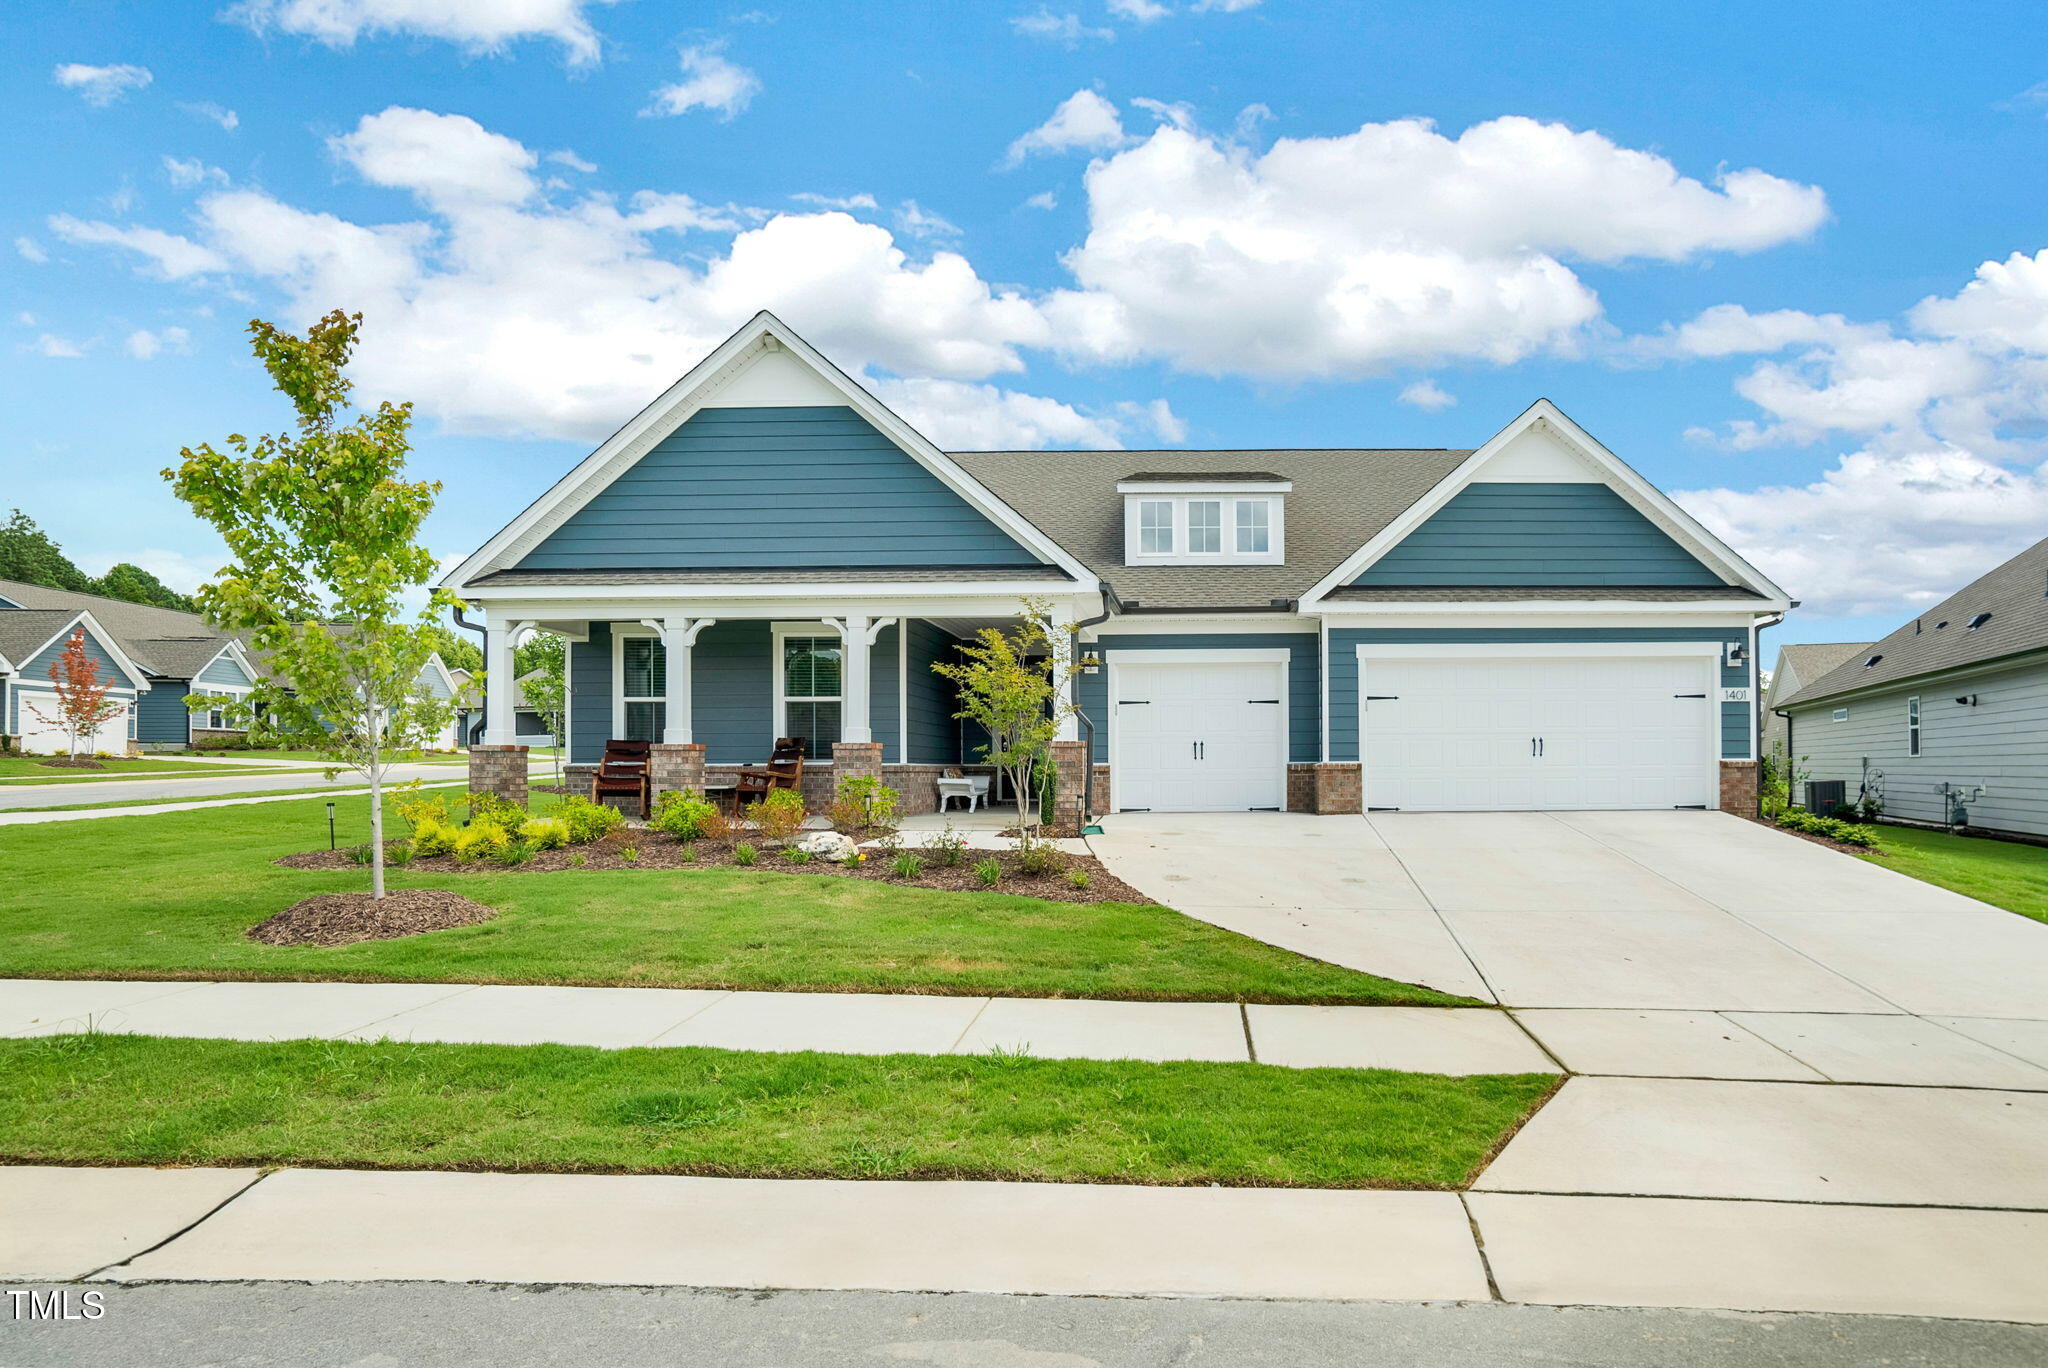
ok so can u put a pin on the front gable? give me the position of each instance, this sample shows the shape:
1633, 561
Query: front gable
766, 456
114, 666
761, 487
1544, 505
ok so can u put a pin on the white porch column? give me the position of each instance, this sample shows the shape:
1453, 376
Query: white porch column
1062, 658
500, 723
857, 634
678, 635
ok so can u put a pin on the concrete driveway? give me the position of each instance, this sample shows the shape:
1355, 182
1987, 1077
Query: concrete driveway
1621, 912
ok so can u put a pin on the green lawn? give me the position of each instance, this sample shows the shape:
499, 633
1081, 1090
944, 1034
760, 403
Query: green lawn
26, 768
142, 1100
171, 895
2003, 873
314, 758
215, 797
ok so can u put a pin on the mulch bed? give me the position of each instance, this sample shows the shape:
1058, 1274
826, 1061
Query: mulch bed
346, 918
80, 762
1842, 846
658, 851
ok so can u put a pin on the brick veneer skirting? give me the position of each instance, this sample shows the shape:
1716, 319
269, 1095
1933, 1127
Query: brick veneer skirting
501, 770
1324, 787
1071, 757
1738, 786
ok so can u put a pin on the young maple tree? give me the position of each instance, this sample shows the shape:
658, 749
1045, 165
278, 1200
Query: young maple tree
323, 533
82, 702
1011, 685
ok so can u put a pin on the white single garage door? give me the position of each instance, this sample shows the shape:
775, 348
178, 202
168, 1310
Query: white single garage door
1200, 737
1492, 734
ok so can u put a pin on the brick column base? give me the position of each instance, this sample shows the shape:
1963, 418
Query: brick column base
1738, 787
674, 767
1071, 759
854, 760
1335, 787
500, 770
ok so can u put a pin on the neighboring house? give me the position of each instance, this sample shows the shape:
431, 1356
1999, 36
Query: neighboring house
154, 656
766, 550
1946, 720
1796, 665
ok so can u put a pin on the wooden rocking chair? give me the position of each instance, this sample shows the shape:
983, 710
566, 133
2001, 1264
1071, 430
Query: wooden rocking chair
784, 770
622, 772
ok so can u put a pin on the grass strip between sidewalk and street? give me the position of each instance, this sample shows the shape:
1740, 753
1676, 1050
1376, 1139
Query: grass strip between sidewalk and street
111, 1099
173, 895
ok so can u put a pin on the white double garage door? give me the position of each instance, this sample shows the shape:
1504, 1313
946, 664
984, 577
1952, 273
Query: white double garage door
1446, 733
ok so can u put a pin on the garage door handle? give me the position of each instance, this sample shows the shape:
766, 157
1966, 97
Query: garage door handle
1146, 703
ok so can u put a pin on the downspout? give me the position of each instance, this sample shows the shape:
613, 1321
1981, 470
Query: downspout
1756, 713
1109, 606
476, 728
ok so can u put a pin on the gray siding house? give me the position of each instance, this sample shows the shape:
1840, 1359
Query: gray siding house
1796, 666
766, 550
1945, 721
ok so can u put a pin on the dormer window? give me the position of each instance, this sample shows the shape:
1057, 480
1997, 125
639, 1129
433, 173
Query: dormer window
1181, 519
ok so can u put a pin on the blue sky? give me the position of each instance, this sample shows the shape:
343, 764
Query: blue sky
1787, 260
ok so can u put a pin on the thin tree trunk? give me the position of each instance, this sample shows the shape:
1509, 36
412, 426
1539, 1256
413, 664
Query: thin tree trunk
376, 808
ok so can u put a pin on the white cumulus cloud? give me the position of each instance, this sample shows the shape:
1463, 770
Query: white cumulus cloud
1341, 256
186, 172
175, 257
478, 25
102, 85
1065, 29
144, 345
709, 82
1427, 395
228, 120
62, 348
1083, 122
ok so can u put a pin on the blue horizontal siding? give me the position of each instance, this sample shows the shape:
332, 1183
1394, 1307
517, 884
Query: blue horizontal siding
223, 671
934, 731
1304, 680
1537, 534
1345, 641
161, 715
775, 488
37, 670
590, 694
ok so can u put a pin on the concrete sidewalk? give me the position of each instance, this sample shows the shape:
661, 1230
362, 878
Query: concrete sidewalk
1413, 1039
138, 1225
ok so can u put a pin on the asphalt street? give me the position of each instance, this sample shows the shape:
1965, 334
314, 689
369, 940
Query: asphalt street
425, 1325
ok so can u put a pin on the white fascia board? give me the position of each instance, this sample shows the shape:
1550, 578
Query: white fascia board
1198, 486
1342, 612
557, 596
1236, 624
1702, 543
1204, 655
699, 384
137, 676
1530, 622
232, 649
787, 606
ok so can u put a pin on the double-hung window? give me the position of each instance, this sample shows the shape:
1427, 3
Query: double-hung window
1912, 726
643, 677
810, 695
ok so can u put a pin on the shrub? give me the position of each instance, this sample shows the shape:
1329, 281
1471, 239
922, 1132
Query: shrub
544, 833
489, 807
744, 854
1078, 877
478, 839
718, 826
990, 872
947, 848
908, 864
681, 814
398, 854
862, 801
576, 861
434, 838
588, 821
687, 852
779, 816
1833, 828
359, 854
629, 853
416, 806
1038, 858
797, 855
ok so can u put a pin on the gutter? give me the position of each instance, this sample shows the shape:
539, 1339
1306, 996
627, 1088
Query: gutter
476, 729
1110, 605
2031, 654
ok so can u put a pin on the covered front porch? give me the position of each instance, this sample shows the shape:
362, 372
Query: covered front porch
713, 683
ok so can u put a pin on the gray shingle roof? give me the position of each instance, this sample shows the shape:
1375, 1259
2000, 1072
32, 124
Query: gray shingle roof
163, 641
1341, 499
866, 574
2016, 597
1808, 661
24, 630
1598, 593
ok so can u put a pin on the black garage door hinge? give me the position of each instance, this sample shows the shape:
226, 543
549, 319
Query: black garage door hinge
1392, 809
1262, 700
1381, 698
1688, 695
1146, 702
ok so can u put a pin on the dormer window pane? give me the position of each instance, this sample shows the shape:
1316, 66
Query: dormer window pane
1254, 531
1155, 527
1205, 527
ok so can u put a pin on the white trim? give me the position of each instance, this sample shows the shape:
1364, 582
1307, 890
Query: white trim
1196, 485
536, 597
1915, 718
1646, 497
620, 632
1237, 624
779, 632
902, 692
1226, 530
1279, 657
1323, 683
434, 659
1718, 622
233, 648
1343, 608
1706, 651
686, 396
1621, 650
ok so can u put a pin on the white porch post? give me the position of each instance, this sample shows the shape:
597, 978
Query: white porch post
500, 722
678, 635
854, 724
1062, 658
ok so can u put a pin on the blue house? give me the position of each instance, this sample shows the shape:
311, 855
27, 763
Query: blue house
766, 550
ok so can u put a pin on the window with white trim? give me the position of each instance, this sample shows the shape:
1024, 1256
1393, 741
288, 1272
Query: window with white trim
217, 718
134, 714
1221, 524
1841, 715
1912, 726
643, 687
809, 691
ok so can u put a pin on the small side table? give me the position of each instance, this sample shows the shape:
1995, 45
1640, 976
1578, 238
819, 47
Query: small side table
972, 787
